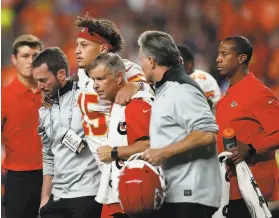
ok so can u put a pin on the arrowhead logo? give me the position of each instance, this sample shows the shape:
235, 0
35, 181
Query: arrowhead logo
233, 104
121, 128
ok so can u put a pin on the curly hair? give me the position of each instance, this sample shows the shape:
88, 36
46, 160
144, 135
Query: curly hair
104, 28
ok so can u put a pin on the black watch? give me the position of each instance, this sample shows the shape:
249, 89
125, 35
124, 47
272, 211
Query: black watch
114, 153
252, 151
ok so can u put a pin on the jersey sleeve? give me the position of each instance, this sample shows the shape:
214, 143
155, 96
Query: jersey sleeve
137, 116
136, 78
134, 72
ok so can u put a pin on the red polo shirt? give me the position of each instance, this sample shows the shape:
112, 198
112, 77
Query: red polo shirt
19, 122
252, 110
137, 115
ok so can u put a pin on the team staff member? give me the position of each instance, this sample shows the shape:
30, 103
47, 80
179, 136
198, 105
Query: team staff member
70, 180
252, 110
182, 132
19, 121
129, 125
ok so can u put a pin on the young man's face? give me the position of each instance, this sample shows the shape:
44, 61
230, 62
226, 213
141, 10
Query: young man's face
86, 51
23, 59
104, 83
147, 66
227, 59
47, 81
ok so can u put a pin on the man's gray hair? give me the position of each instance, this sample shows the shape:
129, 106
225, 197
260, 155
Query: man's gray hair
160, 46
112, 61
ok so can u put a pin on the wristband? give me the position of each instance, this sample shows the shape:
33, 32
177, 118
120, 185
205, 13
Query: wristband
114, 153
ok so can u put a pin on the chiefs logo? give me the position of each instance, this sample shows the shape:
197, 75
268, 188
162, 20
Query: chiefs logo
121, 128
119, 164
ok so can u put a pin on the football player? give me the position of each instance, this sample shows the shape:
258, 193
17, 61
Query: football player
94, 38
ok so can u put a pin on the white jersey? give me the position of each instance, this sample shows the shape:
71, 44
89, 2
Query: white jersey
209, 86
95, 112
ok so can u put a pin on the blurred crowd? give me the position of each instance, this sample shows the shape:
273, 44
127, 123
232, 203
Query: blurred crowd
199, 24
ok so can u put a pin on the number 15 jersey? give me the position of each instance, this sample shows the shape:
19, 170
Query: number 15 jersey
95, 112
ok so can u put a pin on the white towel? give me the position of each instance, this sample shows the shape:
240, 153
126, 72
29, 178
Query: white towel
223, 209
251, 192
107, 193
107, 190
248, 189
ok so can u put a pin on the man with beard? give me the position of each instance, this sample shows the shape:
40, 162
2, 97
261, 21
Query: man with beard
71, 176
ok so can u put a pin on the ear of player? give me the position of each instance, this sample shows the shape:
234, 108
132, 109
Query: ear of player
141, 187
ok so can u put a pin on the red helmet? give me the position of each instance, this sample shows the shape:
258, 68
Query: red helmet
141, 187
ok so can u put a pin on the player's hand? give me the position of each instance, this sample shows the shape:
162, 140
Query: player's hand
104, 153
125, 94
240, 153
153, 156
44, 201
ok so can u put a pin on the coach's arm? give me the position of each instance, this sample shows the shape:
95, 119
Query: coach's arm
48, 162
192, 112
